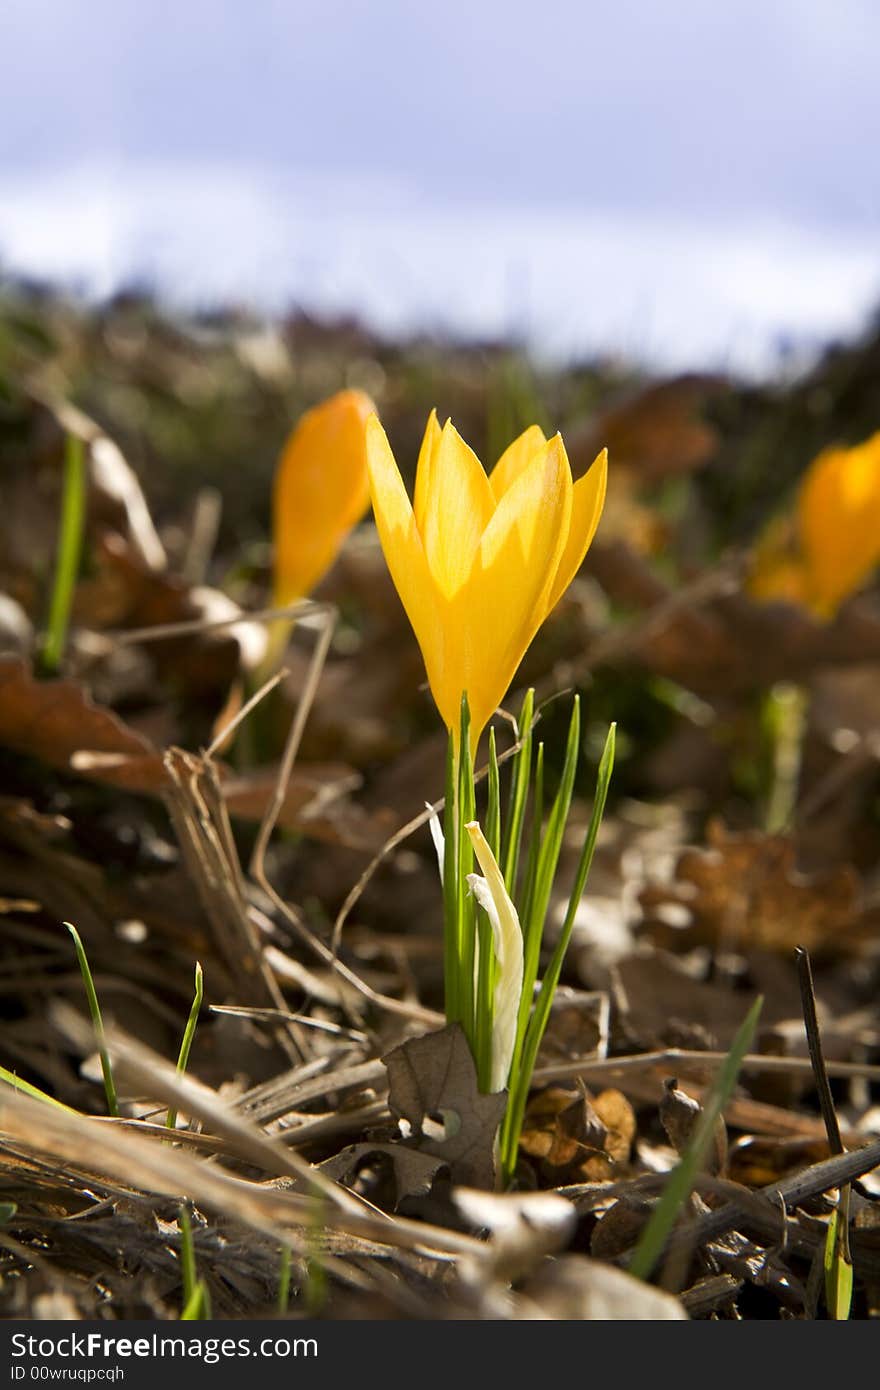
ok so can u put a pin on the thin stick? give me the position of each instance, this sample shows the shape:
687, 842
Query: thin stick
838, 1257
814, 1043
243, 713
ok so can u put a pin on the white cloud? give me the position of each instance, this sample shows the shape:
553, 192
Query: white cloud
678, 293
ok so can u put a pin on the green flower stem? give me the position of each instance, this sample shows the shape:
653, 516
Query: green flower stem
70, 534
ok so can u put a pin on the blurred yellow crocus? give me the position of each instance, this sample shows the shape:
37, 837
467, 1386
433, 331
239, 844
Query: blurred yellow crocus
321, 491
837, 533
479, 561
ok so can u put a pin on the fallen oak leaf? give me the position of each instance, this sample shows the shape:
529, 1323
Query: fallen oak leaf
394, 1170
743, 891
433, 1086
59, 724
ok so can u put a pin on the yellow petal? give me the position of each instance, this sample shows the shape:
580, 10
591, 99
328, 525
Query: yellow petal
423, 470
839, 522
515, 458
494, 618
404, 553
321, 490
588, 499
458, 505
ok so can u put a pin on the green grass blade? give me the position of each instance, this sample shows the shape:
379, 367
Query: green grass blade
188, 1034
284, 1281
97, 1021
196, 1297
519, 790
70, 535
33, 1091
683, 1176
838, 1262
198, 1306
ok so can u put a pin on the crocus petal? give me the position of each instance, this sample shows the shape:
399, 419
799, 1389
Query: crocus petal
404, 553
516, 457
839, 522
587, 501
437, 838
321, 490
495, 617
458, 505
423, 470
492, 895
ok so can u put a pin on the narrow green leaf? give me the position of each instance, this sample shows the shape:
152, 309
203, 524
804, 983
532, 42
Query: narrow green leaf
97, 1021
70, 534
466, 906
198, 1306
451, 922
519, 789
545, 869
493, 800
33, 1091
284, 1281
838, 1262
188, 1275
188, 1034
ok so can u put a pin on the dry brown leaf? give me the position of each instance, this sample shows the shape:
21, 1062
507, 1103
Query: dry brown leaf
743, 892
574, 1138
433, 1086
384, 1174
58, 723
756, 1161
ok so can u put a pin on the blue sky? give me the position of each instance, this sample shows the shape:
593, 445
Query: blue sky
683, 180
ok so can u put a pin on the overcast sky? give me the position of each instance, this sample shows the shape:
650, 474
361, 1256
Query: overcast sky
626, 170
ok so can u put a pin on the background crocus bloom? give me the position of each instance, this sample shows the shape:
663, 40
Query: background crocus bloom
479, 561
838, 533
321, 490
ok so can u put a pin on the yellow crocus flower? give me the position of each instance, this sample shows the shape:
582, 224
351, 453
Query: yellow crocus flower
837, 533
321, 491
479, 561
839, 522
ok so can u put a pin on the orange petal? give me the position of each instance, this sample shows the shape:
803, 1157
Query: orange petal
321, 490
839, 522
